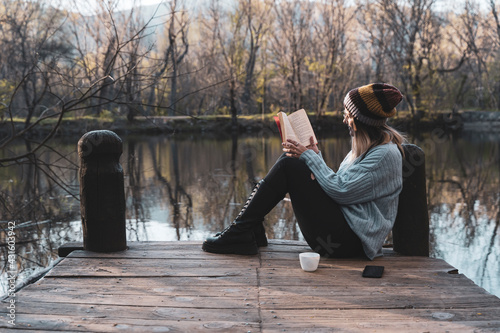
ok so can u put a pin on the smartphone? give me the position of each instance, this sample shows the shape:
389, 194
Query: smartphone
373, 271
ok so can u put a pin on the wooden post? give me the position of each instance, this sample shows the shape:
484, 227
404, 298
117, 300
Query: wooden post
102, 195
411, 229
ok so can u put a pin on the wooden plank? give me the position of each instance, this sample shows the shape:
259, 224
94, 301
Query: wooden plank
393, 265
161, 254
220, 302
397, 315
158, 252
247, 314
349, 299
146, 263
293, 248
77, 324
389, 257
342, 277
127, 291
358, 291
387, 320
191, 249
153, 281
139, 286
105, 267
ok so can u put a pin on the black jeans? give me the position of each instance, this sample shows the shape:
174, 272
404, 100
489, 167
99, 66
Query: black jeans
319, 217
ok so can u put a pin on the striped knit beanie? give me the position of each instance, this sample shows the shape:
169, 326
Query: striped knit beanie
373, 104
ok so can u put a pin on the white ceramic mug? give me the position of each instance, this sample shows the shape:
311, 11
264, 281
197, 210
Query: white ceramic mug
309, 261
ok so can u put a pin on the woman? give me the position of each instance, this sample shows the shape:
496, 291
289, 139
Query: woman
341, 214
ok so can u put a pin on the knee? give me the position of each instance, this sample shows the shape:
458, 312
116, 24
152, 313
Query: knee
291, 162
287, 159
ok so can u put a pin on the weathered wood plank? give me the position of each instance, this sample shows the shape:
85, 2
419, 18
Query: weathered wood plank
293, 248
77, 324
208, 282
247, 314
395, 315
220, 302
170, 263
338, 277
393, 266
191, 249
387, 320
140, 286
160, 254
374, 301
389, 257
161, 251
143, 292
100, 267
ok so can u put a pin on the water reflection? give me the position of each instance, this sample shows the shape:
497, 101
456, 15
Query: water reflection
464, 199
184, 188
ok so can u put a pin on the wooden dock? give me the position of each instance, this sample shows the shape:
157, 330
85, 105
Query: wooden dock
176, 287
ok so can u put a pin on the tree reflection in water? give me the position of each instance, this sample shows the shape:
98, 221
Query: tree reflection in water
185, 188
464, 199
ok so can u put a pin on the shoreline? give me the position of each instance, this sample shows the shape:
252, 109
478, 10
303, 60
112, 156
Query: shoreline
221, 125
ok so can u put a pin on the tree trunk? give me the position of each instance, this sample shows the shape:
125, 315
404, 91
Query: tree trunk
232, 100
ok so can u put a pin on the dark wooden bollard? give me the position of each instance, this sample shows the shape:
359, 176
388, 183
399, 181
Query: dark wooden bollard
411, 229
102, 195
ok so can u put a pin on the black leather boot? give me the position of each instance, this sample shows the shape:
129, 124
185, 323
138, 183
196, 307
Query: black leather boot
259, 233
258, 228
246, 233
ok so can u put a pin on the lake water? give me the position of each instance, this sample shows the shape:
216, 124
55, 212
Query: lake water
187, 187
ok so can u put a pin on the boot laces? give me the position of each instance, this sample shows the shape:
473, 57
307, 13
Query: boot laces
255, 189
226, 229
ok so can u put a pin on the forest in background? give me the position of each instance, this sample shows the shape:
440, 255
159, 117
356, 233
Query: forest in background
242, 57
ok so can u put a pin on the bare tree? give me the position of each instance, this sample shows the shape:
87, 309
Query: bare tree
492, 84
98, 49
330, 57
290, 44
494, 12
31, 46
407, 21
60, 89
416, 31
378, 36
176, 49
228, 34
176, 56
258, 23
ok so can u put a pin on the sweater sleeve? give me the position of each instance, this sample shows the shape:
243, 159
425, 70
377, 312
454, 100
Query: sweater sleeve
352, 185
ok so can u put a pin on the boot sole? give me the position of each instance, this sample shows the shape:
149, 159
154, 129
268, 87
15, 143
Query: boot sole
262, 242
244, 249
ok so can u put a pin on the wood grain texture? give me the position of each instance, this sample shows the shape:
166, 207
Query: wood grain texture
176, 287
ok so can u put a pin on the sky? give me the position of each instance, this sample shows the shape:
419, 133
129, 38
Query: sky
126, 4
86, 8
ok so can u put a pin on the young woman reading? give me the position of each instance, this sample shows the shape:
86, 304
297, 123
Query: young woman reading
340, 214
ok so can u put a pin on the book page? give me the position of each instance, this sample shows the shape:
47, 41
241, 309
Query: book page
302, 127
286, 128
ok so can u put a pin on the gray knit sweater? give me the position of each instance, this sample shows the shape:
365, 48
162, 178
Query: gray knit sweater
367, 191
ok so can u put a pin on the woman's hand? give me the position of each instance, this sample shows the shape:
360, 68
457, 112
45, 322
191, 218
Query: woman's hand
294, 149
313, 146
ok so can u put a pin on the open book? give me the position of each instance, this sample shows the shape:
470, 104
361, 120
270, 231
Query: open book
295, 126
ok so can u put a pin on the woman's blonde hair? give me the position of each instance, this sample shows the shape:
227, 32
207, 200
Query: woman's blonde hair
367, 137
